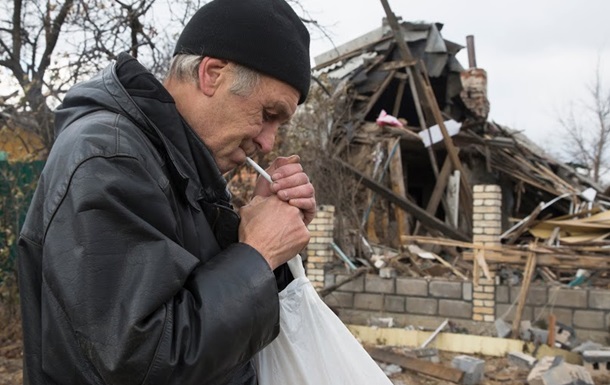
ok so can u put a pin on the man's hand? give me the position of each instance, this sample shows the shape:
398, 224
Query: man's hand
290, 184
273, 227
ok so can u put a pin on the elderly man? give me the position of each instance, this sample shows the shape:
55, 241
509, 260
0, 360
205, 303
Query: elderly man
134, 268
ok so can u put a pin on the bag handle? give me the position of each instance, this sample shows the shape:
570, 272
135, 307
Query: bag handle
296, 266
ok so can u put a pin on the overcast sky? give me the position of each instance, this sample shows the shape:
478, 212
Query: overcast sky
539, 55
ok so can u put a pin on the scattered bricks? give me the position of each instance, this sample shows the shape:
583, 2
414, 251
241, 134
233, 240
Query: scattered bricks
457, 309
473, 368
368, 301
575, 298
426, 306
588, 319
376, 284
446, 289
340, 300
394, 303
411, 286
467, 291
599, 299
522, 360
597, 361
356, 285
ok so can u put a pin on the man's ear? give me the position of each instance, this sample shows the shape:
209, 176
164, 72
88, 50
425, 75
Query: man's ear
210, 71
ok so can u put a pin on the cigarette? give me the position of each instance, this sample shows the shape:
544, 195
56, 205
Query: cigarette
259, 169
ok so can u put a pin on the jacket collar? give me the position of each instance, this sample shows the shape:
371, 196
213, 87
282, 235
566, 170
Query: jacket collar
146, 102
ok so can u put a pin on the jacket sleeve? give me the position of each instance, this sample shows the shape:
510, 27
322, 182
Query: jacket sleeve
144, 310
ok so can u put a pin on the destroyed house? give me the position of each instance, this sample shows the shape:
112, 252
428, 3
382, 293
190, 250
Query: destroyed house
410, 124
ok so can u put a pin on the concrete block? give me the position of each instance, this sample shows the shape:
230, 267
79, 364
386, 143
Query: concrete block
340, 299
503, 328
367, 301
394, 303
502, 294
573, 298
501, 311
536, 295
597, 361
589, 319
562, 315
446, 289
412, 287
427, 354
467, 291
522, 360
472, 367
599, 299
376, 284
427, 306
357, 285
454, 309
329, 280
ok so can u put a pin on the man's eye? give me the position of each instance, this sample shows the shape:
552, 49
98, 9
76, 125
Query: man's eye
269, 116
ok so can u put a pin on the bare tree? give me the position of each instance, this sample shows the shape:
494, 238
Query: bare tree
49, 46
587, 129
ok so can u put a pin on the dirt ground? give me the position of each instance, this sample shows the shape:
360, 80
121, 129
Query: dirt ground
10, 349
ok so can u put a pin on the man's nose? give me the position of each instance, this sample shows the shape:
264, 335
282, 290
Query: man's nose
266, 139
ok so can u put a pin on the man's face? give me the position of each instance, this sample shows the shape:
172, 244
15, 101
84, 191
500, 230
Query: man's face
239, 126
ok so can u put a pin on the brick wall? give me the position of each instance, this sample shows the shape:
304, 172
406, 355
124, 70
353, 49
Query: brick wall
486, 230
319, 251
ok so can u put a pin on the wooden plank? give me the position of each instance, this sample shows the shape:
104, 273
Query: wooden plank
426, 219
419, 366
530, 267
398, 186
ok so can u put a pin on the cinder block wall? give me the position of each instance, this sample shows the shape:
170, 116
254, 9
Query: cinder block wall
587, 310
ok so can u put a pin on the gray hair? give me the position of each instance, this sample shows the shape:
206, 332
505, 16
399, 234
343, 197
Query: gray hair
185, 68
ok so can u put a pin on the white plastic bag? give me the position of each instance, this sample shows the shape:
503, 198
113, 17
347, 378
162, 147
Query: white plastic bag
314, 347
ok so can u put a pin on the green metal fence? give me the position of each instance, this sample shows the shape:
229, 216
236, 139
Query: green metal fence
17, 184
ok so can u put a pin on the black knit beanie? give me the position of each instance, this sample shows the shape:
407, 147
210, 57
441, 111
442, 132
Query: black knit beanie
264, 35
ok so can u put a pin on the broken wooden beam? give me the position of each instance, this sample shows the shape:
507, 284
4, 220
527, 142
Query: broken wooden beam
419, 366
419, 213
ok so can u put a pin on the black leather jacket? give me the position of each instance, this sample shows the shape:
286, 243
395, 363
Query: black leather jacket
129, 268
